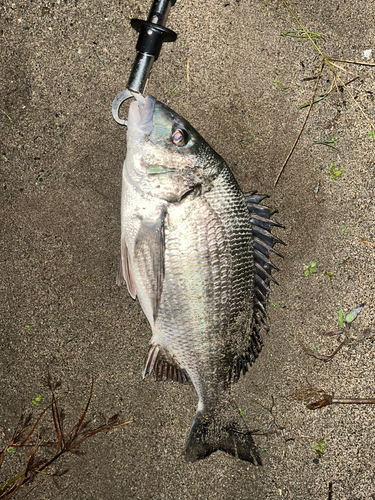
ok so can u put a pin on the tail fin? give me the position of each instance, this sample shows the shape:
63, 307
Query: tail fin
221, 430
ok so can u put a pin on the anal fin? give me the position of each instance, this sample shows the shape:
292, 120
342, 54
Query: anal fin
160, 363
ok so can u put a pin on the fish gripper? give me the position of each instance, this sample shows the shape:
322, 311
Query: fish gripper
152, 34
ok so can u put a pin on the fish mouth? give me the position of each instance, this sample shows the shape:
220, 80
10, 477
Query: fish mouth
140, 123
140, 116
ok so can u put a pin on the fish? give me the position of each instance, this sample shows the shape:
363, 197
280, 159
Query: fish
195, 251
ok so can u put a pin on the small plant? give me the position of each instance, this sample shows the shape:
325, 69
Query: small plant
345, 229
319, 448
329, 275
311, 269
28, 327
241, 411
345, 329
46, 445
335, 172
279, 85
372, 134
275, 304
350, 317
37, 400
314, 347
171, 91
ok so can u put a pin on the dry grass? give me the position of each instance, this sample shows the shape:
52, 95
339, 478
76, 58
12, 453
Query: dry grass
44, 450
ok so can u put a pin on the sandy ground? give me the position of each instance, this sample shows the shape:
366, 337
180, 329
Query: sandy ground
62, 63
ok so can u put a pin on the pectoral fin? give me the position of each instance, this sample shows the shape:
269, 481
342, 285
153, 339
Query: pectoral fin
124, 270
149, 253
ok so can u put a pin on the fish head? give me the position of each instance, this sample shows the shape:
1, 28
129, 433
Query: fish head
166, 157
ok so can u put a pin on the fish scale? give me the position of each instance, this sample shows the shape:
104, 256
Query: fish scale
195, 251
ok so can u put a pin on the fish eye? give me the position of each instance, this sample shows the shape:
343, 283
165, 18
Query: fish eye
180, 137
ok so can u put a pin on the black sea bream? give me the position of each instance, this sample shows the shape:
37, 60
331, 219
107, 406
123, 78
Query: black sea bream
195, 251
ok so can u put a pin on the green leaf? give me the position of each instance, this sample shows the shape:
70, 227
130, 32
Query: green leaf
319, 448
313, 263
349, 318
171, 91
10, 449
340, 319
335, 172
301, 34
306, 273
327, 143
317, 100
37, 400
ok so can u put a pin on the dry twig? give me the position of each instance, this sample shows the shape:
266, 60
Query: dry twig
317, 398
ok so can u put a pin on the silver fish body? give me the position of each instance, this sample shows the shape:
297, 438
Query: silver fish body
190, 254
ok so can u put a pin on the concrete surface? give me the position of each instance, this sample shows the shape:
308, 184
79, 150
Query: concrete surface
62, 63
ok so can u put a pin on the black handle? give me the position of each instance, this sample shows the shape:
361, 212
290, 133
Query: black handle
152, 34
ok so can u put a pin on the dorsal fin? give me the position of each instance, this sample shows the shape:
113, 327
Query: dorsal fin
160, 363
264, 242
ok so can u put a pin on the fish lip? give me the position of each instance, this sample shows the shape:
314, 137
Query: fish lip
141, 112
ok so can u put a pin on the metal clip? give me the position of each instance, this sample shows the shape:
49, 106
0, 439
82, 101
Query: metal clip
117, 101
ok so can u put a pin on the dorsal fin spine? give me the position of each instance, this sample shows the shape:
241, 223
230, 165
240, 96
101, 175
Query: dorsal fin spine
263, 242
